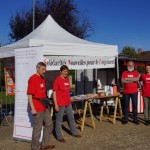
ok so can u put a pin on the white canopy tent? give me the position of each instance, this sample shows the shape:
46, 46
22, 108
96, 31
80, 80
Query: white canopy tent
57, 41
58, 47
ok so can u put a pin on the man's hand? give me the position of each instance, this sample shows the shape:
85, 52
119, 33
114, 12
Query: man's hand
128, 80
56, 108
55, 101
33, 111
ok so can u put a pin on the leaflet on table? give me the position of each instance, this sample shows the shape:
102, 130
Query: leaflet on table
79, 97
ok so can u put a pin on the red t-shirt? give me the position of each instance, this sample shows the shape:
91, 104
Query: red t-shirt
36, 88
130, 88
146, 84
62, 88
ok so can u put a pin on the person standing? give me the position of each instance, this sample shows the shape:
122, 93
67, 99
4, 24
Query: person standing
37, 90
61, 96
130, 80
145, 78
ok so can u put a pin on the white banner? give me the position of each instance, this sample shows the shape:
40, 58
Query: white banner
25, 63
79, 62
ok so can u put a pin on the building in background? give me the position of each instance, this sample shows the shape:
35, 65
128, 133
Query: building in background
145, 55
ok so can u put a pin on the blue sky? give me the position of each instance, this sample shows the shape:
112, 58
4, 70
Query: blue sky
118, 22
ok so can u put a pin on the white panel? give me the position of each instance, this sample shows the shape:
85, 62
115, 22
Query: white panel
25, 63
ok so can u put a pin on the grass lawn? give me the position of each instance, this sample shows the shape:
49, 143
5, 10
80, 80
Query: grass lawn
6, 99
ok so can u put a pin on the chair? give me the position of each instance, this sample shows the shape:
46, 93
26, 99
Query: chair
5, 117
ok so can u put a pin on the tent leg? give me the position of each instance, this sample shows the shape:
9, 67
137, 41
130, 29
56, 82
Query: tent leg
76, 82
117, 73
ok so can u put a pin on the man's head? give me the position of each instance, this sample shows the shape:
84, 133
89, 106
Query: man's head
41, 69
64, 71
130, 66
148, 68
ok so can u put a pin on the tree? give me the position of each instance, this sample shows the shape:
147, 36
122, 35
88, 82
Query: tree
64, 12
130, 52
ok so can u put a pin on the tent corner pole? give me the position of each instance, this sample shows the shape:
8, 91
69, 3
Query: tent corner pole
117, 73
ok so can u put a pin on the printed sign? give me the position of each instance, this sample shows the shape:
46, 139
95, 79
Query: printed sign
26, 60
9, 77
79, 62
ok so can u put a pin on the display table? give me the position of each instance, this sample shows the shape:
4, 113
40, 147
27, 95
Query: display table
87, 105
103, 99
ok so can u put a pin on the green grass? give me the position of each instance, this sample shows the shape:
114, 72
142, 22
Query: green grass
6, 99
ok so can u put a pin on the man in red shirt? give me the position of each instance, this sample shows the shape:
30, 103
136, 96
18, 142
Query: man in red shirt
37, 90
61, 95
145, 78
130, 80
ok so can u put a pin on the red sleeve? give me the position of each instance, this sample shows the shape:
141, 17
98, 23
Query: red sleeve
55, 85
141, 78
31, 84
123, 75
137, 74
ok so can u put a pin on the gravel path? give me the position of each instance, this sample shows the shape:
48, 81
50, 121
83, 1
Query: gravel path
106, 136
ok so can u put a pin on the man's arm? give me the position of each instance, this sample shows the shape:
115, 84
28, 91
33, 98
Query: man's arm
134, 79
33, 111
126, 81
141, 80
55, 101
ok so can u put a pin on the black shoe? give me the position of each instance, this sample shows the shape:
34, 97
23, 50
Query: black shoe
149, 121
146, 122
124, 122
47, 147
62, 140
77, 136
136, 122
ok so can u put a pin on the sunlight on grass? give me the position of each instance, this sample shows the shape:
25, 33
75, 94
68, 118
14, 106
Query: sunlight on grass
6, 99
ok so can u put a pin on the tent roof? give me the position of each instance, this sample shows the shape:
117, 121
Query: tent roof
58, 41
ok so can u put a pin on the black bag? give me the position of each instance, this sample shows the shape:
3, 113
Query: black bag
46, 102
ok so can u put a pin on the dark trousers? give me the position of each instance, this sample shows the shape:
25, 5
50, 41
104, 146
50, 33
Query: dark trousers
41, 119
146, 108
126, 98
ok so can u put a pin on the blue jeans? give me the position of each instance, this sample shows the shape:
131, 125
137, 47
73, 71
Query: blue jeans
59, 119
126, 98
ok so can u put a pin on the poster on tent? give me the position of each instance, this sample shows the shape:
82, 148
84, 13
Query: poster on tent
9, 73
25, 65
79, 62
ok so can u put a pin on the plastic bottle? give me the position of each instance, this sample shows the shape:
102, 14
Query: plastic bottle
115, 89
111, 90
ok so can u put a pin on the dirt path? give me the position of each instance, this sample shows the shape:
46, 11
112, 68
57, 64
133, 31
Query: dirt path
106, 136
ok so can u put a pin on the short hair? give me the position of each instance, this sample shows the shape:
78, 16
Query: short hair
64, 67
39, 64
